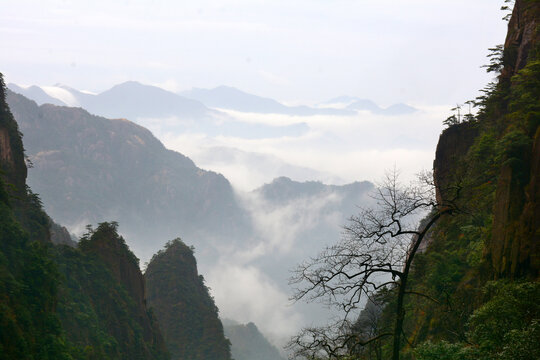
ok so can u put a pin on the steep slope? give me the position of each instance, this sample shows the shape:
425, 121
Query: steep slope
183, 306
102, 304
482, 264
500, 152
247, 343
59, 302
90, 169
29, 326
474, 291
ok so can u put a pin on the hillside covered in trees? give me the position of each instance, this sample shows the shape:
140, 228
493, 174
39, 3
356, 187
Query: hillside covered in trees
463, 284
465, 287
183, 305
85, 300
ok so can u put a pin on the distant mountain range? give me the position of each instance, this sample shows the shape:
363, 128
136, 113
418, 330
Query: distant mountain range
225, 97
129, 100
358, 104
247, 342
134, 100
90, 169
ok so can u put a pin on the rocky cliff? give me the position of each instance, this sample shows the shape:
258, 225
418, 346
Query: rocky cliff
11, 148
183, 306
62, 302
496, 157
102, 305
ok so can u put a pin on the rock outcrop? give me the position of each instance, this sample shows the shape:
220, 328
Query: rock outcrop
102, 304
183, 306
506, 139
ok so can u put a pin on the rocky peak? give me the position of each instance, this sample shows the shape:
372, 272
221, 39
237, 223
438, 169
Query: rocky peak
12, 165
522, 36
183, 306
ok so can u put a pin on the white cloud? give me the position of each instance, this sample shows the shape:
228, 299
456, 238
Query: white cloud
61, 94
335, 149
245, 294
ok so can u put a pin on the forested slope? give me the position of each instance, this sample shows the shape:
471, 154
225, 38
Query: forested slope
474, 291
60, 302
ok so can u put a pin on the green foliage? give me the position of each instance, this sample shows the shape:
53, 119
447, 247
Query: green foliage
100, 316
30, 329
444, 351
182, 304
506, 327
512, 307
29, 326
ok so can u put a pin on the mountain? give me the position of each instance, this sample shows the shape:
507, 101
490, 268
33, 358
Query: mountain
289, 214
248, 343
90, 169
225, 97
37, 94
64, 302
358, 104
476, 284
130, 100
102, 301
283, 190
183, 305
28, 278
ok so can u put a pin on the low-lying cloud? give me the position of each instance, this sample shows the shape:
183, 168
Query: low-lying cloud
333, 149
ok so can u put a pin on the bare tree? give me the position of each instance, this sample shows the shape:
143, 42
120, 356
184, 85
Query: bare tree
376, 252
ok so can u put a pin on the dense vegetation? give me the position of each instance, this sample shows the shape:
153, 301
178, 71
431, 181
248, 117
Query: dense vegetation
476, 286
58, 302
100, 309
183, 306
29, 278
28, 293
89, 169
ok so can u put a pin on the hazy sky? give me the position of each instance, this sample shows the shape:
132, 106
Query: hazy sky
417, 51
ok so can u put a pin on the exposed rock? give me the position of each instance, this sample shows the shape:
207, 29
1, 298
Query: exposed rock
521, 37
453, 145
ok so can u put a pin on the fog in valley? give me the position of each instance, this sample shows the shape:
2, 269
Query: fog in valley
287, 115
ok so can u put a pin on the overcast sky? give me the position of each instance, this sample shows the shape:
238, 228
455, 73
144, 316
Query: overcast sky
418, 51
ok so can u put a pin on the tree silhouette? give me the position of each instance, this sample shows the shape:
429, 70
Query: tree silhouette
375, 253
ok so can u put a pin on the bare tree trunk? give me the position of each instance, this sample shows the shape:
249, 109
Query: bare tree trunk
400, 312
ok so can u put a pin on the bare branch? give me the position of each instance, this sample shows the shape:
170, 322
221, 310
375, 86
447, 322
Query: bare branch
375, 252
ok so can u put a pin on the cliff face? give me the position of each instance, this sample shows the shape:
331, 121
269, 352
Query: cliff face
454, 144
513, 249
102, 304
499, 154
183, 306
29, 325
60, 302
11, 147
522, 36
